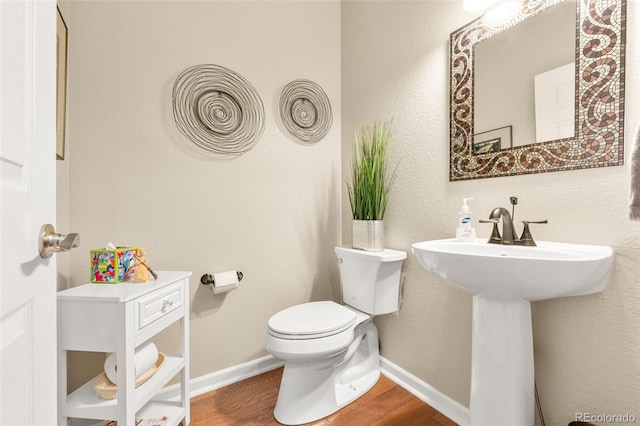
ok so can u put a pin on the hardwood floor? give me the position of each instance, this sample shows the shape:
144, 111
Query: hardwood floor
251, 402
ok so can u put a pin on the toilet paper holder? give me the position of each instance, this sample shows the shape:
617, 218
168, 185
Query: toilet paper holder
207, 279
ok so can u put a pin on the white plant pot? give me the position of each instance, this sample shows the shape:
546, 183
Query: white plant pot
367, 234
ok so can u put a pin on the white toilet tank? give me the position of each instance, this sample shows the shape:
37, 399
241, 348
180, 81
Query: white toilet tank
370, 280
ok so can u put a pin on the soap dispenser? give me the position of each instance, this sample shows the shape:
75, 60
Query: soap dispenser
465, 231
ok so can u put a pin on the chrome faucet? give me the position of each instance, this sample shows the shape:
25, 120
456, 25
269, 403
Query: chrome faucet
509, 235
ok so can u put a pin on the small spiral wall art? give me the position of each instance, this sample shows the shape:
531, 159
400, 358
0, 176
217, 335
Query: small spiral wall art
217, 109
305, 111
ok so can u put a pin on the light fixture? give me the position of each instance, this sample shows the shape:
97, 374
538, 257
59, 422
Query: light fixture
476, 5
503, 12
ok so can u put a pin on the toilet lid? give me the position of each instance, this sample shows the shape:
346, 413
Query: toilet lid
312, 320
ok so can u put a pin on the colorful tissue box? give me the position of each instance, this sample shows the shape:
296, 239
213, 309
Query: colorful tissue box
113, 266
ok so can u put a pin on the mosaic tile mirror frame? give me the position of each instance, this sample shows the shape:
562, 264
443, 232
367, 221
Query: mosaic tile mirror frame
599, 97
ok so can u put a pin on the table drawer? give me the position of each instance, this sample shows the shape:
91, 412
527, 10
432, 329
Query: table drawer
155, 306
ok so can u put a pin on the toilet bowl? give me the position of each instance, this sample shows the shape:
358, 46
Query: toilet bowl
328, 363
330, 350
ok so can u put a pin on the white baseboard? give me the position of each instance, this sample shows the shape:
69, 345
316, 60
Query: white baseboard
422, 390
221, 378
425, 392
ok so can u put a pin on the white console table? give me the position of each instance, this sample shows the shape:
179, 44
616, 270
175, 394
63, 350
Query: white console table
118, 318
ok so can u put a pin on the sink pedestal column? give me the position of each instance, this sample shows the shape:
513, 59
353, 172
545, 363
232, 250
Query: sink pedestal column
502, 379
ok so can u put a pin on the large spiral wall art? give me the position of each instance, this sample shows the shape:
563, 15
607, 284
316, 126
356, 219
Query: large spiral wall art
305, 111
217, 109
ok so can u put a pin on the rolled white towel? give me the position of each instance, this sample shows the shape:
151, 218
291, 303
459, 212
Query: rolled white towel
146, 355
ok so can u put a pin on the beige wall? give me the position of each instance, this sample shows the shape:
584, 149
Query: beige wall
272, 213
395, 65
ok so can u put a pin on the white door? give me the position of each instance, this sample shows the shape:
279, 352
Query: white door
555, 103
27, 189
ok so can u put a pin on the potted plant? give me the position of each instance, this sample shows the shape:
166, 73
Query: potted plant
370, 184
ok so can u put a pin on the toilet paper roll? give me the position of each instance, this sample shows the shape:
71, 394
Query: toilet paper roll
145, 357
225, 281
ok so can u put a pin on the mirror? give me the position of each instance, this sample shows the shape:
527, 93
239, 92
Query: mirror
557, 106
521, 73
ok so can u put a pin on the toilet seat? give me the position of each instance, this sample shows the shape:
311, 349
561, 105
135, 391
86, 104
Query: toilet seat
313, 320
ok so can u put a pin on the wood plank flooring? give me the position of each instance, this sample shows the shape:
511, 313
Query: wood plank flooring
251, 402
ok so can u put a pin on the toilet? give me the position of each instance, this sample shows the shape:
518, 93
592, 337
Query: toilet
330, 351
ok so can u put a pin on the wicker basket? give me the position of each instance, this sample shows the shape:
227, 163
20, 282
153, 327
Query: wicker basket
108, 390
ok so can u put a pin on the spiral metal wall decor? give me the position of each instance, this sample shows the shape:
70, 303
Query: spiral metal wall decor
305, 111
217, 109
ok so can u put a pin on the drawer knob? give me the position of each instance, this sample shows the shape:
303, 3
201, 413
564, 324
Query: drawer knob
166, 304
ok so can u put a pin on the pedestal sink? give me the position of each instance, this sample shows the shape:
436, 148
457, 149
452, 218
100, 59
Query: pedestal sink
504, 280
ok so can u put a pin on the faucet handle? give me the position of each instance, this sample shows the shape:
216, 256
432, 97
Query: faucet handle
527, 239
495, 237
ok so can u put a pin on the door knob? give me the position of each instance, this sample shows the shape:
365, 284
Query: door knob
50, 242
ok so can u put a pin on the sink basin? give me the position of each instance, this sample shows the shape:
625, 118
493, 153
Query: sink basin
547, 271
504, 280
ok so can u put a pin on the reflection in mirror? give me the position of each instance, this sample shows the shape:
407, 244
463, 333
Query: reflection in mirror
519, 64
585, 71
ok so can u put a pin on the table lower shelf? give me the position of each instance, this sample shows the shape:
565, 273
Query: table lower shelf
86, 404
153, 410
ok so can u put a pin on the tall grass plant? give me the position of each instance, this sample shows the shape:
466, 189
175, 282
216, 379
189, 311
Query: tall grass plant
370, 180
